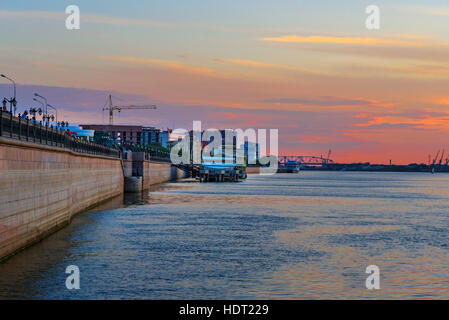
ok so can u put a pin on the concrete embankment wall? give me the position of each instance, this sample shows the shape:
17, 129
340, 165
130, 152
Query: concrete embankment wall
159, 172
41, 188
141, 174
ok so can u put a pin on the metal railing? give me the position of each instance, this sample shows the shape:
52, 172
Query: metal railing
151, 154
157, 155
32, 131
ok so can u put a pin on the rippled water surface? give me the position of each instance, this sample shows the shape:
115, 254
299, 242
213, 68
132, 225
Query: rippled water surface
288, 236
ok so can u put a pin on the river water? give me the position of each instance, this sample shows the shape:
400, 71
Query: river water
288, 236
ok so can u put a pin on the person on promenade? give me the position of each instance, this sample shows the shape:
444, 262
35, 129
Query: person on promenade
5, 109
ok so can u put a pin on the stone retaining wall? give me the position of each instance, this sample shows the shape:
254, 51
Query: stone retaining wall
42, 187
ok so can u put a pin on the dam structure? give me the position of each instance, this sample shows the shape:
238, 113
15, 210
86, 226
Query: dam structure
47, 177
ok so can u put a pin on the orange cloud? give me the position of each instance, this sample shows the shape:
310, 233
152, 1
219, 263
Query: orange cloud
46, 65
257, 64
421, 70
229, 115
397, 120
168, 64
342, 40
443, 101
329, 102
263, 65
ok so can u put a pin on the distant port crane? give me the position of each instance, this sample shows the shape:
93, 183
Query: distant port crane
111, 108
436, 164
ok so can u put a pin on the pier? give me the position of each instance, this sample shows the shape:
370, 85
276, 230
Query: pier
211, 172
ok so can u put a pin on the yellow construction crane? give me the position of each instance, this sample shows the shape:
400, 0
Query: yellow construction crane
111, 109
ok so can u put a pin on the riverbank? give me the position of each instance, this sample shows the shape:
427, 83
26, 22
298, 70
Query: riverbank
42, 187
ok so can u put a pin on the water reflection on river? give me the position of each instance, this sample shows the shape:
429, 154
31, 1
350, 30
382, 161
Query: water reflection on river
287, 236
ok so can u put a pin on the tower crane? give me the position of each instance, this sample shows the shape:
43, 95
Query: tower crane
111, 108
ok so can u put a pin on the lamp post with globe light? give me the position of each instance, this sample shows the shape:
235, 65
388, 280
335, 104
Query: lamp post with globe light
12, 101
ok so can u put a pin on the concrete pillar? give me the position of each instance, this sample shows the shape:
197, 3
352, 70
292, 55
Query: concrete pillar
133, 184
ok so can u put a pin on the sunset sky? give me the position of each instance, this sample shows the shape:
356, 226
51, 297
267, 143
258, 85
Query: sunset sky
309, 68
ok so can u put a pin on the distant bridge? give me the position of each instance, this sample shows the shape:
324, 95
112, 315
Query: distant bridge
305, 160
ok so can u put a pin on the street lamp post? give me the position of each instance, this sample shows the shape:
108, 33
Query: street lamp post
12, 101
46, 103
43, 107
55, 111
34, 111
